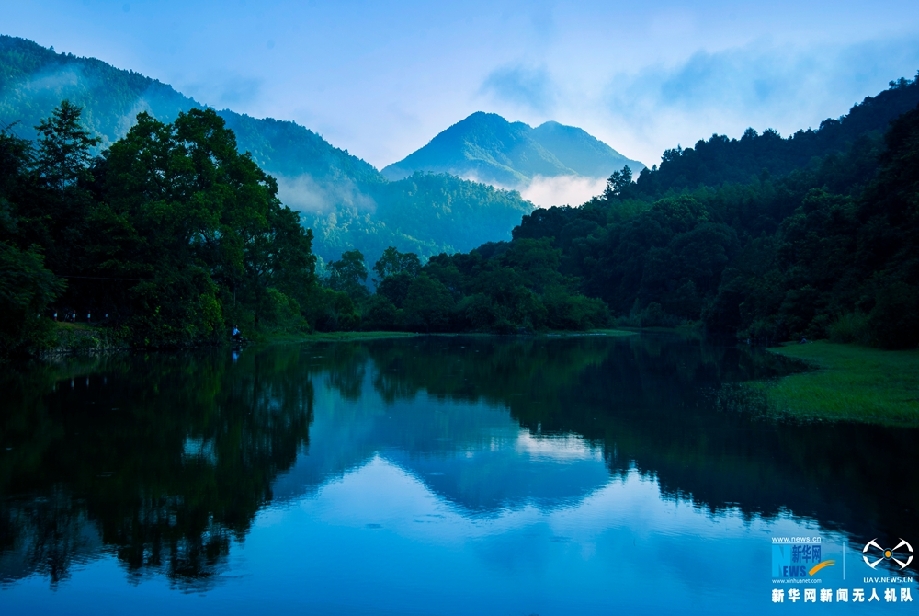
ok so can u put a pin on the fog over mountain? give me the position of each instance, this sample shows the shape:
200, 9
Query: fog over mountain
551, 162
344, 199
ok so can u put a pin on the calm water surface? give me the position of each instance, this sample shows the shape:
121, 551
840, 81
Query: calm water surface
438, 476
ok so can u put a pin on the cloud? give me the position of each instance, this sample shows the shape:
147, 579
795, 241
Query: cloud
239, 90
761, 84
305, 194
549, 191
543, 191
225, 89
32, 98
528, 87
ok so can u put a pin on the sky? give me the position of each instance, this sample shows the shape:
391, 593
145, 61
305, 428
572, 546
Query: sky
381, 79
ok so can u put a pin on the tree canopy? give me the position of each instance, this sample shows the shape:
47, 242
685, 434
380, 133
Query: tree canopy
170, 233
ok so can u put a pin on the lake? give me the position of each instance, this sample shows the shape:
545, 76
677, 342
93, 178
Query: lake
444, 475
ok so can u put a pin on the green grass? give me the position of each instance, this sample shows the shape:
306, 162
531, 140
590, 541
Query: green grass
66, 338
849, 382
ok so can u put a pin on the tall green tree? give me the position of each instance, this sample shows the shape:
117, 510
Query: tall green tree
61, 200
201, 229
27, 287
393, 262
64, 147
349, 274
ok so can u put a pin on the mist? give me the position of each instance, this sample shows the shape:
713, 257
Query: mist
305, 194
548, 191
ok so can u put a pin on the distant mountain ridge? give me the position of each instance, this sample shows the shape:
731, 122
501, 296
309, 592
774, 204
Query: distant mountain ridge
490, 149
344, 199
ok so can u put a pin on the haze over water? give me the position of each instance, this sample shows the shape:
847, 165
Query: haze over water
434, 475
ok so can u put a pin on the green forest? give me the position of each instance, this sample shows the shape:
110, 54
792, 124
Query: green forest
765, 237
166, 238
169, 237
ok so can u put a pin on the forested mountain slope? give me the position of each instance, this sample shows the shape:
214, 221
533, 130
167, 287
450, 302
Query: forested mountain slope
770, 238
346, 201
722, 160
488, 148
827, 245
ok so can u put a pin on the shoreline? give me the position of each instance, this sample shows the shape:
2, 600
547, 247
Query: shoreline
839, 382
847, 382
79, 339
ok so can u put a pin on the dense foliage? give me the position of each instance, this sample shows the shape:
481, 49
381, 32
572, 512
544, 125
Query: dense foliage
825, 246
426, 214
769, 238
171, 235
170, 238
502, 288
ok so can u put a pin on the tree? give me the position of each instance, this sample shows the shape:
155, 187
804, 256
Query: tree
202, 231
61, 201
381, 314
428, 305
64, 147
393, 262
348, 274
395, 288
618, 182
27, 287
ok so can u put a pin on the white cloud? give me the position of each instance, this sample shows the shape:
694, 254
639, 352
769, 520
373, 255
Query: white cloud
304, 194
760, 85
546, 191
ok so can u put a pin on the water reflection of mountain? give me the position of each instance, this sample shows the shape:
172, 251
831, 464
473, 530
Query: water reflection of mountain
436, 407
166, 459
473, 455
657, 403
657, 409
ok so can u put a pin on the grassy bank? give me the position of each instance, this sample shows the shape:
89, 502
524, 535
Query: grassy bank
68, 338
80, 338
849, 382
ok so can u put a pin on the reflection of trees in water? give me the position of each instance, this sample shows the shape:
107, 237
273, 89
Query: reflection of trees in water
653, 404
348, 365
169, 459
472, 369
45, 535
657, 408
167, 535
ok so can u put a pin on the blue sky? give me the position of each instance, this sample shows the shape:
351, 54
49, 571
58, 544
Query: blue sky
380, 79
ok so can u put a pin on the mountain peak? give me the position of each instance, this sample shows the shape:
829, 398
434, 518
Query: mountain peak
487, 147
